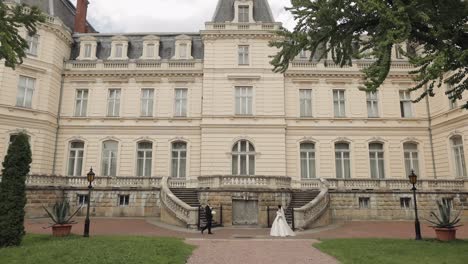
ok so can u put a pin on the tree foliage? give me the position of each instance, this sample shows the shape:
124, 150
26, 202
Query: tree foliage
437, 28
13, 191
12, 19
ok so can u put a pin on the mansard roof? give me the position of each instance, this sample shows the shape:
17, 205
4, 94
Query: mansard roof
135, 44
225, 11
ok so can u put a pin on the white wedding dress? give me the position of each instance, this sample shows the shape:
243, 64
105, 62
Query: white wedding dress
280, 227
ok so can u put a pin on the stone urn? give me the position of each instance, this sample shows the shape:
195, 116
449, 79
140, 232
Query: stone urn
445, 234
61, 230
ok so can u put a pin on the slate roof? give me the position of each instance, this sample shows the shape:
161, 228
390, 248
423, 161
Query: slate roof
225, 11
135, 45
62, 9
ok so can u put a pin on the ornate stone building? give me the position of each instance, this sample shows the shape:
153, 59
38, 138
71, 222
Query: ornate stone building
173, 120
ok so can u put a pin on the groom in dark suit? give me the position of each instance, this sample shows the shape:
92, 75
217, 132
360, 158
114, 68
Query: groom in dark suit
209, 219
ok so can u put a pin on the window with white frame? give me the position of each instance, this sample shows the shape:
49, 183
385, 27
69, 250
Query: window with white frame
406, 104
144, 158
81, 102
150, 50
377, 162
118, 51
244, 100
451, 94
109, 158
411, 158
243, 14
33, 44
179, 160
147, 102
75, 158
307, 160
243, 54
342, 160
372, 104
183, 51
459, 156
82, 199
339, 103
26, 88
150, 47
398, 53
124, 200
180, 104
88, 50
305, 98
113, 103
183, 48
88, 45
243, 158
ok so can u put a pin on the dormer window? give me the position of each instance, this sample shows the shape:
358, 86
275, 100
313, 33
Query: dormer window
150, 48
243, 11
88, 46
119, 48
183, 48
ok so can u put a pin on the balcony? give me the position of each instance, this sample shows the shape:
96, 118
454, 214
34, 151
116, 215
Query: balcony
134, 65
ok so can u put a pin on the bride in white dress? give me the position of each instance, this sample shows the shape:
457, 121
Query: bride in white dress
280, 227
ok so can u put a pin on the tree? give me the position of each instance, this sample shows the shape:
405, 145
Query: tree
12, 18
352, 29
13, 191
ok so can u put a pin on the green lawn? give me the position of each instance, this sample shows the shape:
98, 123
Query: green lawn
386, 251
40, 249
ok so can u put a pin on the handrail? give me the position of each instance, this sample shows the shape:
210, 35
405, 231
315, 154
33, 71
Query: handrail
312, 211
180, 209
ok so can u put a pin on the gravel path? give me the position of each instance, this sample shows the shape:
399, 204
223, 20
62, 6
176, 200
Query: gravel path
257, 251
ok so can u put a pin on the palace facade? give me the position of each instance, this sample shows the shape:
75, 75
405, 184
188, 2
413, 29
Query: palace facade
169, 121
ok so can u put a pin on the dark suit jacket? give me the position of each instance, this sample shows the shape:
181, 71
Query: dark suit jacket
208, 214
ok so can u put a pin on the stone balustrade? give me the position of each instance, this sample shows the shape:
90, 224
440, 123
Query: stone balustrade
397, 184
183, 212
266, 182
242, 26
99, 182
310, 212
358, 65
135, 65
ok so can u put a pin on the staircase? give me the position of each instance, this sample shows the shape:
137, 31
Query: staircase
188, 196
298, 200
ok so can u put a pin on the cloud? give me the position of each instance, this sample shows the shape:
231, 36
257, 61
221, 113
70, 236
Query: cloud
123, 16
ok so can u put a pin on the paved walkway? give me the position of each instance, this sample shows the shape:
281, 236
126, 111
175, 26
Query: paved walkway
257, 251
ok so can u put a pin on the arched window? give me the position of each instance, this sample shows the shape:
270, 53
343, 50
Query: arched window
109, 158
377, 163
342, 160
411, 158
179, 160
243, 158
75, 158
307, 160
144, 158
459, 156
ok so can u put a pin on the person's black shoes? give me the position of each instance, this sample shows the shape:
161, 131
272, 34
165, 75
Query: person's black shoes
210, 233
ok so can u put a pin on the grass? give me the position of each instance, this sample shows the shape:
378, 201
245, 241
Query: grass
390, 251
41, 249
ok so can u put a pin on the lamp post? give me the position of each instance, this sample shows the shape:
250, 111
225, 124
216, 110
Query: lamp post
413, 178
90, 178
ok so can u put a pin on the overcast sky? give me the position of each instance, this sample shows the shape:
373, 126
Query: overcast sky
162, 15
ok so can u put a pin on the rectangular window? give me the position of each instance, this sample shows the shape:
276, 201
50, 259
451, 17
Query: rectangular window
398, 54
150, 48
303, 54
406, 104
82, 199
87, 50
411, 158
75, 158
244, 100
109, 158
307, 161
113, 103
459, 156
81, 102
124, 200
33, 44
147, 102
377, 162
26, 88
364, 202
183, 51
450, 93
372, 104
243, 14
339, 103
342, 161
180, 104
305, 103
243, 52
119, 50
144, 158
179, 160
405, 203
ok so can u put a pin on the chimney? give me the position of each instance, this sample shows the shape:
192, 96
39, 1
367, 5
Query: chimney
80, 16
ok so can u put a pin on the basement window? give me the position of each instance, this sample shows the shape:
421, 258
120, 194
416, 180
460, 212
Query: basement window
364, 202
405, 203
82, 199
124, 200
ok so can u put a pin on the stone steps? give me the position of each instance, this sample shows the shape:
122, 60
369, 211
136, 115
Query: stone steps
298, 200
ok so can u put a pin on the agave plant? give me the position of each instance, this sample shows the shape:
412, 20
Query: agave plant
444, 219
60, 214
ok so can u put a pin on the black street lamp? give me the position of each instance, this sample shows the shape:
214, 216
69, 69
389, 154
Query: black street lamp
90, 178
413, 178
